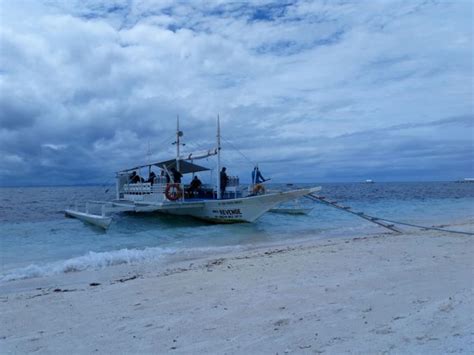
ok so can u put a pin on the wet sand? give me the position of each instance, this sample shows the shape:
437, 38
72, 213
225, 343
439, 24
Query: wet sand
410, 293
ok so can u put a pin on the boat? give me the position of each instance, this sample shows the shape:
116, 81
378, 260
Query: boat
369, 181
466, 180
231, 204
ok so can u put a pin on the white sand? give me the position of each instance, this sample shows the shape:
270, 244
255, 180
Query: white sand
396, 294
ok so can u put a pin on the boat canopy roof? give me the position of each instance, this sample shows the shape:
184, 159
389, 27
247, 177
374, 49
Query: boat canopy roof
185, 167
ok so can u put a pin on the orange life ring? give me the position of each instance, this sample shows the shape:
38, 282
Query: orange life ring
173, 192
258, 189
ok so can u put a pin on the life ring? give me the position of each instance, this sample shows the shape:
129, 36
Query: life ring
258, 189
173, 191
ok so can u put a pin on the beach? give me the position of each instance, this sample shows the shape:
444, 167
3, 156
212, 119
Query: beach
386, 293
236, 177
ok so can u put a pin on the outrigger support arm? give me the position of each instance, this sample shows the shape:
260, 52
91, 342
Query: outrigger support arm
375, 220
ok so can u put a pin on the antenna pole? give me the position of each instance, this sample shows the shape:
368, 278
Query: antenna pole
218, 158
149, 158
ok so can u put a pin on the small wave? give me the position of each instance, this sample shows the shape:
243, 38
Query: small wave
91, 260
97, 260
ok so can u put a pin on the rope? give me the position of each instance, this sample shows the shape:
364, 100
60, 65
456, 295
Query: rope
424, 227
107, 184
374, 219
348, 210
238, 151
108, 187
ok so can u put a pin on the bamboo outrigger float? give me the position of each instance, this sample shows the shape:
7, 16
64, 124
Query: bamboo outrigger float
162, 194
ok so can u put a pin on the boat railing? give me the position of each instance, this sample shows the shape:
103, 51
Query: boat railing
233, 181
232, 187
149, 191
160, 180
140, 188
158, 188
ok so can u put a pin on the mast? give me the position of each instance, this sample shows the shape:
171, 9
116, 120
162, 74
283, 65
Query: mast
149, 158
178, 135
218, 158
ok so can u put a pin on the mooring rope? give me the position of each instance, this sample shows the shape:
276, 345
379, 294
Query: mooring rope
374, 219
423, 227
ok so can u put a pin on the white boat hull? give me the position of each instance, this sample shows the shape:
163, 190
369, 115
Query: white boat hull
246, 209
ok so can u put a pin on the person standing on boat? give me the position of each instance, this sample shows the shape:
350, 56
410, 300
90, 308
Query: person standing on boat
135, 178
176, 176
151, 177
195, 185
224, 180
257, 177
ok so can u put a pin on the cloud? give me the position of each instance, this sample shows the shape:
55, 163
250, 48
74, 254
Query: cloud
313, 90
15, 113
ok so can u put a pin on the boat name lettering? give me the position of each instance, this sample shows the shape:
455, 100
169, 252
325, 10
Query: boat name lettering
235, 211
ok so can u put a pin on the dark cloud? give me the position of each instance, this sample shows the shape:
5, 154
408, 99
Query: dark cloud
16, 113
312, 90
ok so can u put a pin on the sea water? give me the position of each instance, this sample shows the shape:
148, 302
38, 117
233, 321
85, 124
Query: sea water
36, 239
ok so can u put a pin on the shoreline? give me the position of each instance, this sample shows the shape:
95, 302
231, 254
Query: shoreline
100, 261
393, 293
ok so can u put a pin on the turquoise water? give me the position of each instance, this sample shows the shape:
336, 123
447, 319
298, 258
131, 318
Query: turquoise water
36, 239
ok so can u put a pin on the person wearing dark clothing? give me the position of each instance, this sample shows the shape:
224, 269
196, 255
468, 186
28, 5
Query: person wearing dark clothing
134, 178
257, 177
224, 180
176, 176
151, 177
195, 185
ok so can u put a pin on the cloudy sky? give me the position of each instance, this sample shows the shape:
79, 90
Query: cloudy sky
311, 90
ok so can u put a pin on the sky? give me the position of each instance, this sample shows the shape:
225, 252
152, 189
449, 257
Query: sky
312, 91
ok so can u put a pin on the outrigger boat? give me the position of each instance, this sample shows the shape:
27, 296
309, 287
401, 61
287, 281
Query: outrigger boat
162, 194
